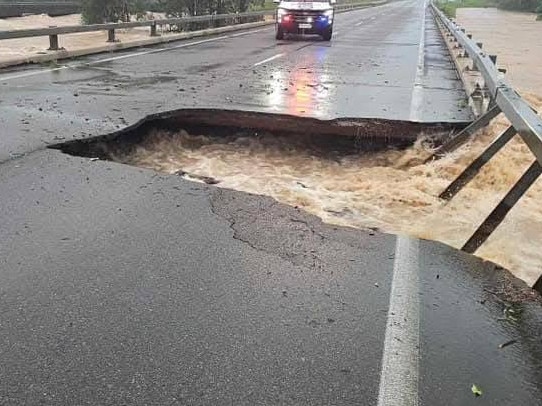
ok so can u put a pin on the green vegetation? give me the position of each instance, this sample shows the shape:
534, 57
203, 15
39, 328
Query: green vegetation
450, 7
520, 5
101, 11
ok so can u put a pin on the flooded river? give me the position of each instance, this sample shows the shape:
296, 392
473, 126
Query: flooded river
392, 190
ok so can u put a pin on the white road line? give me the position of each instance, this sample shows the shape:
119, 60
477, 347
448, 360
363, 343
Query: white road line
358, 24
240, 34
400, 359
416, 101
269, 59
120, 57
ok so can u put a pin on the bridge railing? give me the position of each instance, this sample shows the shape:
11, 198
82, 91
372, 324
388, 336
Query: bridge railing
181, 24
524, 121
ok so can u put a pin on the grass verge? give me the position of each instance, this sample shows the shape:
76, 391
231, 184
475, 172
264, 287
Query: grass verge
449, 8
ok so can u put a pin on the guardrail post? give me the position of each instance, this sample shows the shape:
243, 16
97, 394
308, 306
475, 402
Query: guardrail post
111, 35
538, 285
53, 43
474, 168
524, 121
497, 216
463, 136
153, 30
477, 100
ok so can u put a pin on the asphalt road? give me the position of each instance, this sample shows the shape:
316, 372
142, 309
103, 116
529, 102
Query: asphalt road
378, 65
122, 286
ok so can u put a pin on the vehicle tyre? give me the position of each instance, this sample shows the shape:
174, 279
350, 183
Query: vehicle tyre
327, 35
280, 33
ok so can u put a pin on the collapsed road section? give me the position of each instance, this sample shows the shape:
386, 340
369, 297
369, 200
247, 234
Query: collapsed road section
346, 134
350, 172
143, 286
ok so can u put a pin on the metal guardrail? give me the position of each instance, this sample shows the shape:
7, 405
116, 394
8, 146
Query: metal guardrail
525, 122
185, 23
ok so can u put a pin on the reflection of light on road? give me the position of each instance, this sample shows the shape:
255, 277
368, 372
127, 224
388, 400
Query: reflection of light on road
310, 95
304, 91
276, 95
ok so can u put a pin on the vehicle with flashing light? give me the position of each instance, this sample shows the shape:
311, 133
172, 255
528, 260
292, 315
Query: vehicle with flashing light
305, 17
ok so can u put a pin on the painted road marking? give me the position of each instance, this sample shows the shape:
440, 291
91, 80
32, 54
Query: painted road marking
358, 24
400, 359
416, 101
132, 55
269, 59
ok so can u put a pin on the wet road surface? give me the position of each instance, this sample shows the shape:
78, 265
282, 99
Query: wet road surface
122, 286
377, 65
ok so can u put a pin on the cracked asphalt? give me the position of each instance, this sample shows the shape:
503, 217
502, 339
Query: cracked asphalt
121, 286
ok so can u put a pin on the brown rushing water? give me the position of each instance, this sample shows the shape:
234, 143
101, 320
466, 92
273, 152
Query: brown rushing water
518, 46
390, 190
393, 190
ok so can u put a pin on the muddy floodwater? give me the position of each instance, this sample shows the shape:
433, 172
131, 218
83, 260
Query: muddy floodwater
518, 46
391, 190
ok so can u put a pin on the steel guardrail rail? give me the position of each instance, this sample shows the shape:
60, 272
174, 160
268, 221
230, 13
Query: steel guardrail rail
52, 31
41, 32
524, 121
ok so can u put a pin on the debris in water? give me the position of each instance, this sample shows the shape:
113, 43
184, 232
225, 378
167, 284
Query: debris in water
476, 390
506, 344
205, 179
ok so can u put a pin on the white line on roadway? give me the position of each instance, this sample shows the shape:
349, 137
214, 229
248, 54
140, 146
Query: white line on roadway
269, 59
417, 92
132, 55
400, 359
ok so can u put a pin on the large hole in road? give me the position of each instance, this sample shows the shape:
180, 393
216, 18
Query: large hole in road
358, 173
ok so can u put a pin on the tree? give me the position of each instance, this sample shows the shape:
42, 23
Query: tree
520, 5
105, 11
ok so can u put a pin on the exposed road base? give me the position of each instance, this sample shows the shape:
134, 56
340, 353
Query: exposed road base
349, 134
